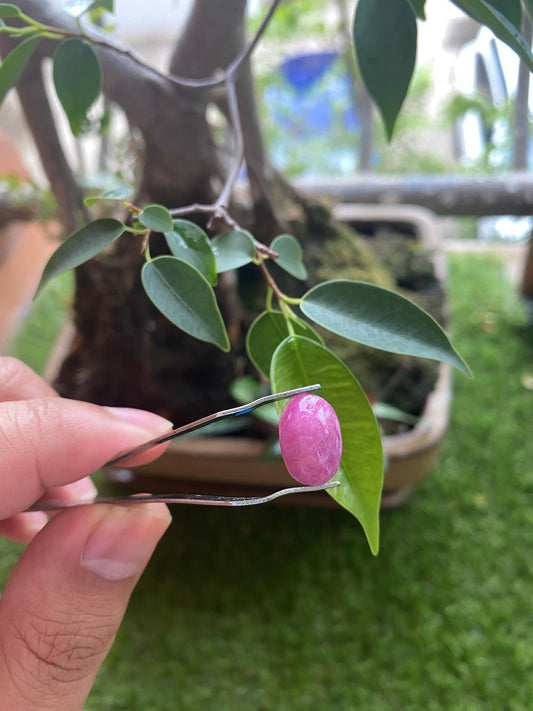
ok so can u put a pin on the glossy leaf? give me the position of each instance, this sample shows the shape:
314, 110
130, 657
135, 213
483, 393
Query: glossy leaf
385, 37
156, 218
511, 9
379, 318
122, 192
80, 247
297, 362
13, 65
8, 10
233, 249
487, 14
77, 79
189, 242
266, 333
290, 255
419, 8
186, 298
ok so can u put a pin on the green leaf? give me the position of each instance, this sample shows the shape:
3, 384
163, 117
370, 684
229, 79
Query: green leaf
383, 411
13, 65
8, 10
122, 192
156, 218
233, 249
290, 255
77, 78
379, 318
510, 9
503, 28
186, 298
266, 333
385, 37
190, 243
419, 8
80, 247
297, 362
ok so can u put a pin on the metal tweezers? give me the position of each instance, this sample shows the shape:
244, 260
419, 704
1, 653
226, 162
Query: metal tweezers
201, 499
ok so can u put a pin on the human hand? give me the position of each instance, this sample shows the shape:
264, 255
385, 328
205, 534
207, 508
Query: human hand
66, 596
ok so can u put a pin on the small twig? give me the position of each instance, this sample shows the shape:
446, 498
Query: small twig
280, 296
219, 78
247, 51
263, 249
235, 118
216, 212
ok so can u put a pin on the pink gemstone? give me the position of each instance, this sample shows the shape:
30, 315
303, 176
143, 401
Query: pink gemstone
310, 439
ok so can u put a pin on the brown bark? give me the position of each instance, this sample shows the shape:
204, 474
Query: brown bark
227, 23
124, 351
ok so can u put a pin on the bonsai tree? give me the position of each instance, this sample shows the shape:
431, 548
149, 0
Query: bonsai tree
158, 267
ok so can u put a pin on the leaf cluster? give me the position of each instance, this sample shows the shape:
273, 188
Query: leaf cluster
282, 341
284, 346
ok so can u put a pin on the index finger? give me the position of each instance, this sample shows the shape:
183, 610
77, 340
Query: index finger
49, 442
19, 382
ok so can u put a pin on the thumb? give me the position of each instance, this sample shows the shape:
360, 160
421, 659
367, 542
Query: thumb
65, 599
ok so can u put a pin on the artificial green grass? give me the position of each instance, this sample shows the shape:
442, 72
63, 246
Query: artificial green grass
285, 608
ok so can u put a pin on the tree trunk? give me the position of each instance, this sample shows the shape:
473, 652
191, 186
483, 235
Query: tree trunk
124, 352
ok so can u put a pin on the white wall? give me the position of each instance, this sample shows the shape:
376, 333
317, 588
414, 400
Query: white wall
139, 18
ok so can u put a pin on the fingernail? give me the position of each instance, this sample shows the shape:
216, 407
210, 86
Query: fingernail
34, 522
141, 418
123, 542
82, 489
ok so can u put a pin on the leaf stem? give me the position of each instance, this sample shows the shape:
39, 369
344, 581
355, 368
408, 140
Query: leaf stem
270, 294
287, 313
280, 296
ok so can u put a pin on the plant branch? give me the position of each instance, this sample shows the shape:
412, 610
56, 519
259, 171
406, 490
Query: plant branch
235, 118
218, 212
219, 78
280, 296
250, 47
